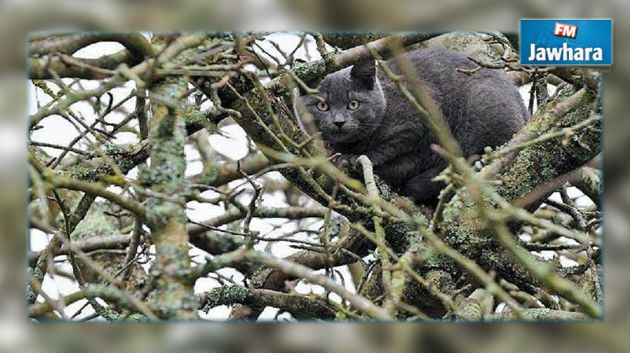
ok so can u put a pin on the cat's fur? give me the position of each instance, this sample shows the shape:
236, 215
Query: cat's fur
482, 109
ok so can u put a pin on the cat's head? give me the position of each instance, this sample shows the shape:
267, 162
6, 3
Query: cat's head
349, 106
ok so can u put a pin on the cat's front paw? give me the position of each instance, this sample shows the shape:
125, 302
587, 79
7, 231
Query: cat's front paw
348, 161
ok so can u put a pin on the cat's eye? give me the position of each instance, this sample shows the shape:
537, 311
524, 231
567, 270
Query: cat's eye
323, 106
354, 104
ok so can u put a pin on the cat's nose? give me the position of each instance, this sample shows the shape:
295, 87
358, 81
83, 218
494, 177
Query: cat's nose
339, 123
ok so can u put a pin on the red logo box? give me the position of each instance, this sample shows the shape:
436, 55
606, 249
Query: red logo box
565, 30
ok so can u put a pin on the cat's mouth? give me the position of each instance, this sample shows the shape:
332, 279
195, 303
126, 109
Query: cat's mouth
343, 129
339, 135
337, 132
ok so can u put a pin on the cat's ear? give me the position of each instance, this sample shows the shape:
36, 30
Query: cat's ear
313, 85
302, 91
365, 73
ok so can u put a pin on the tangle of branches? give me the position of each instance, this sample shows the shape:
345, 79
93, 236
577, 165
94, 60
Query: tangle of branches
140, 211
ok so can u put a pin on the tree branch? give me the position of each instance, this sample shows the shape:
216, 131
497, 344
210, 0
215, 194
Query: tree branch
300, 271
301, 307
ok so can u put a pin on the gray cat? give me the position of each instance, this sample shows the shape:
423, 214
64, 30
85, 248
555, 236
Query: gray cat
363, 112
